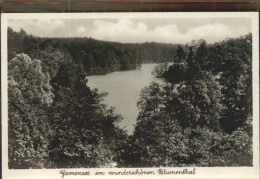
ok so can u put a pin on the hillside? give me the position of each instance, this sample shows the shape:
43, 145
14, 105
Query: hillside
95, 56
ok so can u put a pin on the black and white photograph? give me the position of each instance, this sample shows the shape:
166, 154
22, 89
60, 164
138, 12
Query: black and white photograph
131, 91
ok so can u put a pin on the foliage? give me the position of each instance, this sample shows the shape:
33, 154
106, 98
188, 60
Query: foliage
28, 97
180, 55
160, 69
84, 128
233, 149
237, 83
95, 56
182, 118
80, 129
201, 115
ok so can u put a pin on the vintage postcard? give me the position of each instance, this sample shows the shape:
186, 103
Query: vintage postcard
160, 95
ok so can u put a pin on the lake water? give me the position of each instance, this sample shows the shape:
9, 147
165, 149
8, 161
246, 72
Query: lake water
123, 90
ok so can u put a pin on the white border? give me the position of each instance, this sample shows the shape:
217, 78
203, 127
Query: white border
201, 172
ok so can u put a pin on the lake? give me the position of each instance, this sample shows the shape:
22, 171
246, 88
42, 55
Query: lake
123, 88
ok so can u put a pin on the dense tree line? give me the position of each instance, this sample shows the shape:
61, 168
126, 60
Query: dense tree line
55, 119
201, 115
94, 56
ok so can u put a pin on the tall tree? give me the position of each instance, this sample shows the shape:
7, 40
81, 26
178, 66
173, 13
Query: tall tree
180, 55
237, 82
202, 55
28, 97
84, 128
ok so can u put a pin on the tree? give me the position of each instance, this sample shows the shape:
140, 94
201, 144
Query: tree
237, 83
84, 128
180, 55
175, 73
202, 55
145, 131
200, 99
28, 99
51, 59
172, 124
160, 69
233, 149
193, 69
175, 119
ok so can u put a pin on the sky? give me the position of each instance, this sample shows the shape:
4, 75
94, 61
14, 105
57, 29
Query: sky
127, 30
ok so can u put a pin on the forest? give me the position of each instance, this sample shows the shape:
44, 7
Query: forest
94, 56
200, 116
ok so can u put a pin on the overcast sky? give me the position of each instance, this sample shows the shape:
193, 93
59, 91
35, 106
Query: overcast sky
179, 30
